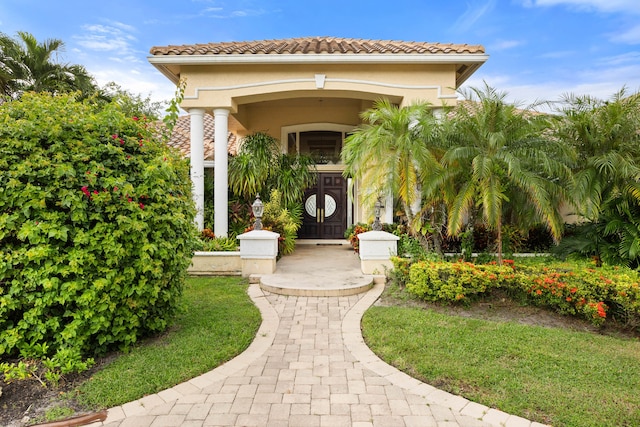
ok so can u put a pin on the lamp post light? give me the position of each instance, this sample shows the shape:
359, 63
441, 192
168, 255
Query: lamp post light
258, 208
377, 226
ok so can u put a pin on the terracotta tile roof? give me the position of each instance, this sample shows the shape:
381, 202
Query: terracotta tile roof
318, 45
181, 138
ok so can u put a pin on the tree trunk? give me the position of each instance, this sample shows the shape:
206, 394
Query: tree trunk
499, 240
440, 218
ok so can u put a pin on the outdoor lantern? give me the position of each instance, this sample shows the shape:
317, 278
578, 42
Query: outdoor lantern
376, 212
258, 208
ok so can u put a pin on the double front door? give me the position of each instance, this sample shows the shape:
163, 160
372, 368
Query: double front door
325, 208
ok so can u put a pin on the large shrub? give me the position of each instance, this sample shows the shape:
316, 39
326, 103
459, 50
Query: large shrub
96, 229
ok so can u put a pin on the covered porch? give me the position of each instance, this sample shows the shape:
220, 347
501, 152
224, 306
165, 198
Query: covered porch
309, 94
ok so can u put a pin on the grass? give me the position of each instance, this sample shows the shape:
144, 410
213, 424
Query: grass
550, 375
218, 321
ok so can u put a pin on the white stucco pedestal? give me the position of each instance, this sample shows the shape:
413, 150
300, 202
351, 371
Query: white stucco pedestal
258, 252
376, 250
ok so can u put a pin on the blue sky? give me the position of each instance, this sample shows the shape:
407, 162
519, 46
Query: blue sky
539, 49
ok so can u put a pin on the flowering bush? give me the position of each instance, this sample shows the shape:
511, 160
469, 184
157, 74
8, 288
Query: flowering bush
96, 229
400, 272
455, 281
352, 234
593, 294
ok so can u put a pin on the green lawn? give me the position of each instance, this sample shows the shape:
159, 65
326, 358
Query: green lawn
218, 321
555, 376
549, 375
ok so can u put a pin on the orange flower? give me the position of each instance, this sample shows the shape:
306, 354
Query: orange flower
601, 309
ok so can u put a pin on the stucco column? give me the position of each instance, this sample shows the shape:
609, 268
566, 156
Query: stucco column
221, 177
197, 162
388, 209
438, 113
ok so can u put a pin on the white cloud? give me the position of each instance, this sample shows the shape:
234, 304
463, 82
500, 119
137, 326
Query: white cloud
110, 37
605, 78
625, 58
625, 6
559, 54
629, 36
473, 13
221, 13
506, 44
143, 81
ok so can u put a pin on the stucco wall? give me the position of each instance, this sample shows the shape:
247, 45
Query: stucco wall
231, 85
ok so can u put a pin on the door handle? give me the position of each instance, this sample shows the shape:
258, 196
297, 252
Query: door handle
318, 219
322, 215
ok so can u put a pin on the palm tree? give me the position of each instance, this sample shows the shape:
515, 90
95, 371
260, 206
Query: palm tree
29, 65
607, 171
388, 154
605, 135
11, 67
496, 153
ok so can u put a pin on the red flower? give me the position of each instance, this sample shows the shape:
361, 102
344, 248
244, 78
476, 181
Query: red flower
141, 206
135, 118
573, 290
95, 192
539, 292
85, 190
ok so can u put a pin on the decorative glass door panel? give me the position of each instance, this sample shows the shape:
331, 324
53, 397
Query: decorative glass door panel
324, 214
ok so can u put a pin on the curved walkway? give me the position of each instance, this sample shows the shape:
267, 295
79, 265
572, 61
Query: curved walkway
308, 366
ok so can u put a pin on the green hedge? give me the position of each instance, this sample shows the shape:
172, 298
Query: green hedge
593, 294
96, 229
444, 281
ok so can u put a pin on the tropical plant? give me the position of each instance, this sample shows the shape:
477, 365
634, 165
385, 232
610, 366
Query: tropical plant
388, 154
606, 190
260, 167
282, 220
494, 152
351, 234
28, 65
208, 242
96, 230
605, 136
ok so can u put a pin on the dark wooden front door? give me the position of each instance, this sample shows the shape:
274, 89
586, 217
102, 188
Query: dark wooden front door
325, 208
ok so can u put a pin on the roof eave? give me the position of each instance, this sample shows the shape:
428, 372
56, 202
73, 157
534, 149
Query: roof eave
162, 62
444, 58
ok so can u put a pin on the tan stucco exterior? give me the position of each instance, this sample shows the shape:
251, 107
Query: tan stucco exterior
267, 97
319, 85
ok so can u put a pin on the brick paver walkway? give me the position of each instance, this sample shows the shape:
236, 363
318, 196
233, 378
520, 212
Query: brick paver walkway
308, 366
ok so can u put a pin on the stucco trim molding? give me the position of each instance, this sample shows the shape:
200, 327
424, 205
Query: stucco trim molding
437, 58
314, 81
